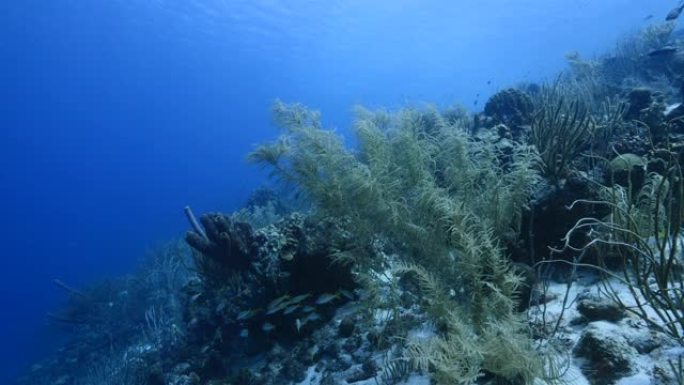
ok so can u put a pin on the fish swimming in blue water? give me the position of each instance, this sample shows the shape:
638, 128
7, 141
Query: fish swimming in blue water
268, 327
290, 309
298, 298
675, 12
246, 314
663, 51
326, 298
277, 305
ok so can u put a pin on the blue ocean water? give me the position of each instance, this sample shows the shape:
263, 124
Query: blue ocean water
116, 114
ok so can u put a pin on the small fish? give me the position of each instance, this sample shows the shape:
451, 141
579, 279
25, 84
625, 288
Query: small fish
662, 51
647, 18
299, 323
277, 305
674, 13
310, 318
220, 307
246, 314
278, 300
268, 327
276, 309
326, 298
298, 299
308, 309
347, 294
244, 333
290, 309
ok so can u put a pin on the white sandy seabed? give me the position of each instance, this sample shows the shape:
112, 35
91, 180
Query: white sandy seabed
631, 328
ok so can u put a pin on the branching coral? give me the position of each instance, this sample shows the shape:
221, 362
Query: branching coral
643, 231
560, 131
443, 198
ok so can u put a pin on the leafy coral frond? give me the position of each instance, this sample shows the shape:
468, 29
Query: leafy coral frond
439, 196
